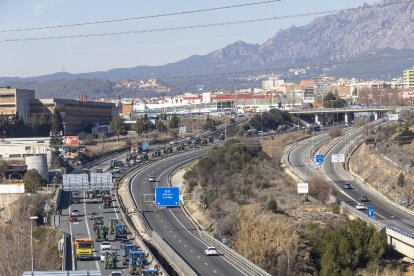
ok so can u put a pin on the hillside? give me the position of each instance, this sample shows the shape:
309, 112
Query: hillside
383, 31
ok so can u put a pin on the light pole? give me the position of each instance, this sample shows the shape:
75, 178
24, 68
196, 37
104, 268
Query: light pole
32, 218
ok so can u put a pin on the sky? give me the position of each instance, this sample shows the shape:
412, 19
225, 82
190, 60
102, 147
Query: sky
40, 57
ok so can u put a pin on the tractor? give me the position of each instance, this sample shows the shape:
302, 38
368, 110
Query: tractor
128, 247
181, 147
107, 199
156, 153
222, 136
110, 260
113, 223
210, 139
91, 195
144, 156
137, 261
97, 221
120, 231
168, 149
197, 141
150, 271
102, 233
113, 163
204, 142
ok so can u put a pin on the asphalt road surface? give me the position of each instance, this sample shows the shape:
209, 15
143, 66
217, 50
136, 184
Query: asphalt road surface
385, 213
172, 224
84, 227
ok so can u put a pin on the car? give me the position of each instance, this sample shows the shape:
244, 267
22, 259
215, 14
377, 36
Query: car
364, 199
210, 251
106, 245
116, 273
73, 218
172, 142
347, 186
92, 215
75, 212
360, 206
151, 179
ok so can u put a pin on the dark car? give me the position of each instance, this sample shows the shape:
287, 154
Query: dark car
73, 218
364, 199
347, 186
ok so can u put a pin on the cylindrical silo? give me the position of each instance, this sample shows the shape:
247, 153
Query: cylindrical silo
39, 163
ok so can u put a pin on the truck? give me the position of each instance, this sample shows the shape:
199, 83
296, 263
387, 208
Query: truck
83, 249
107, 200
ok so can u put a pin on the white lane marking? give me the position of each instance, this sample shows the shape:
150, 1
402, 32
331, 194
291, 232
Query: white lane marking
206, 264
191, 251
185, 245
214, 271
204, 243
87, 229
198, 257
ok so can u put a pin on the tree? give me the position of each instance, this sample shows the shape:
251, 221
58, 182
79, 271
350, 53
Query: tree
32, 180
55, 131
117, 125
160, 126
401, 180
174, 121
272, 205
335, 132
333, 101
140, 126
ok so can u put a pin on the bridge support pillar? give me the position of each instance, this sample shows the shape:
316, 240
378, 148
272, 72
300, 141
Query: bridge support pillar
346, 118
317, 118
375, 116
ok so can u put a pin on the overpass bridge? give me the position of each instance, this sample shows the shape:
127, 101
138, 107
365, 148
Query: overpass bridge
378, 112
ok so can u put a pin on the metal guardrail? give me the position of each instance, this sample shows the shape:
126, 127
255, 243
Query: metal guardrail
235, 257
184, 268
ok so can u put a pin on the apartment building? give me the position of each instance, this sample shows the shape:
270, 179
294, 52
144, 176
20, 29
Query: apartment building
408, 78
16, 101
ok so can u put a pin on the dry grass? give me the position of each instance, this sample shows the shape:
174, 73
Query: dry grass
15, 240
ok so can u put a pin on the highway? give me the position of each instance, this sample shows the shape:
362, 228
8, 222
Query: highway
84, 227
299, 158
172, 224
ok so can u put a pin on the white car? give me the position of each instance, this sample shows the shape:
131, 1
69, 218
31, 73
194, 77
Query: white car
211, 251
75, 213
151, 179
360, 206
106, 245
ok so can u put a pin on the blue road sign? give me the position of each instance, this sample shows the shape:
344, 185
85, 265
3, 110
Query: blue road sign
403, 200
370, 211
319, 158
145, 145
167, 196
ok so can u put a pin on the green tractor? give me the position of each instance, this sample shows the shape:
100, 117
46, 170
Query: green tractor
197, 141
204, 142
110, 260
97, 221
113, 223
156, 153
168, 149
102, 233
144, 156
113, 163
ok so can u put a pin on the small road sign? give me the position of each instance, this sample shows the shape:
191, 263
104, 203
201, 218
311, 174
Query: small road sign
145, 145
403, 200
338, 158
167, 196
320, 158
370, 211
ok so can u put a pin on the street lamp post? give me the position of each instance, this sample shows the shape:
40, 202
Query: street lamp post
32, 218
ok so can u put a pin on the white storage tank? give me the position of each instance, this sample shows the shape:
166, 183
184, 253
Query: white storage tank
39, 163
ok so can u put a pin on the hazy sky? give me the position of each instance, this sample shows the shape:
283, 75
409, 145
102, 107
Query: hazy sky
32, 58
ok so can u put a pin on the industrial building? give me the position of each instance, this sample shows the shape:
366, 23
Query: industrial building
16, 101
76, 115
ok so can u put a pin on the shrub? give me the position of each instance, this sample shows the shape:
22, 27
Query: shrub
272, 205
336, 208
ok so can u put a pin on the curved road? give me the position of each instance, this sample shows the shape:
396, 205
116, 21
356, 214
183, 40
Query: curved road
172, 224
300, 159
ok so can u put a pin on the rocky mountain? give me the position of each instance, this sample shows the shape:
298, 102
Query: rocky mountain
382, 36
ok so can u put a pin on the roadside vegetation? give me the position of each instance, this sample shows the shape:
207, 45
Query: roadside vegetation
252, 202
15, 256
